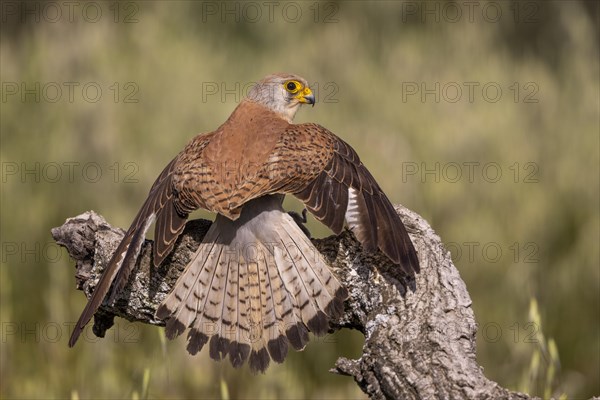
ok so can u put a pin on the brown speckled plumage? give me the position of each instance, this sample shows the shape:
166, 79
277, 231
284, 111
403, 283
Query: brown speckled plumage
251, 303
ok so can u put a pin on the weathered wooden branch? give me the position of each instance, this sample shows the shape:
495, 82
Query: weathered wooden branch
419, 332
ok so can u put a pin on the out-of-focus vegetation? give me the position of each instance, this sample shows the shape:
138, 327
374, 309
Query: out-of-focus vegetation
482, 117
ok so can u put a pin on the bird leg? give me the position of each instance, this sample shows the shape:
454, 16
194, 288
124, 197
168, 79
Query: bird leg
301, 219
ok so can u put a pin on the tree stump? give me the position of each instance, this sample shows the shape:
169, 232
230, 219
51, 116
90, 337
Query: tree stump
419, 331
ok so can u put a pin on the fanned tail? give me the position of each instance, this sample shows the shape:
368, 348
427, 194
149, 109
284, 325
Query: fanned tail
255, 286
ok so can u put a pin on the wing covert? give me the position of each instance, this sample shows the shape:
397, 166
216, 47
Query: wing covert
336, 186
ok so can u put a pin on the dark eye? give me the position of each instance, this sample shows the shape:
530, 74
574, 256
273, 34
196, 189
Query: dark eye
291, 86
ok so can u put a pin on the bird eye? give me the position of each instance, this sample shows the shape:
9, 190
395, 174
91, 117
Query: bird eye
291, 86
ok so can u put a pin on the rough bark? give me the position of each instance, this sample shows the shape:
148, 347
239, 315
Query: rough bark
419, 331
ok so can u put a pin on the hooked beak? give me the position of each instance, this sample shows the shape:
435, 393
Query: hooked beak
306, 96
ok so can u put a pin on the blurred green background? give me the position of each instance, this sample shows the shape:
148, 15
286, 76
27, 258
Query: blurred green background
483, 117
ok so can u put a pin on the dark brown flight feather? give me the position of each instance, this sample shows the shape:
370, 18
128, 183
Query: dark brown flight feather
251, 306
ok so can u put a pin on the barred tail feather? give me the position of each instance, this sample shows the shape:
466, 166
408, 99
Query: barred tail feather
319, 280
255, 286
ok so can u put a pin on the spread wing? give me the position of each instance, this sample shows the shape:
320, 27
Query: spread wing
162, 206
325, 173
345, 189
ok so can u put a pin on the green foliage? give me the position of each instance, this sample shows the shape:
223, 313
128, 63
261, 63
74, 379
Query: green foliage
531, 233
544, 358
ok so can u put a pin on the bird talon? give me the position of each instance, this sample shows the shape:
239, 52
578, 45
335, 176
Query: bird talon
301, 219
304, 218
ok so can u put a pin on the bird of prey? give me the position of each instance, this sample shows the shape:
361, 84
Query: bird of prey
257, 284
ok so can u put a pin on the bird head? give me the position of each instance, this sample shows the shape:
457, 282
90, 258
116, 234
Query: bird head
282, 93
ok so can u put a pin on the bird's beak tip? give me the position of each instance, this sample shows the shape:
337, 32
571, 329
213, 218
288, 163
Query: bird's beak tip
310, 99
307, 96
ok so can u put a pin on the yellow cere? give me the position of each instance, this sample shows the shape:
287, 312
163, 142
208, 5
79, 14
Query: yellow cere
303, 94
